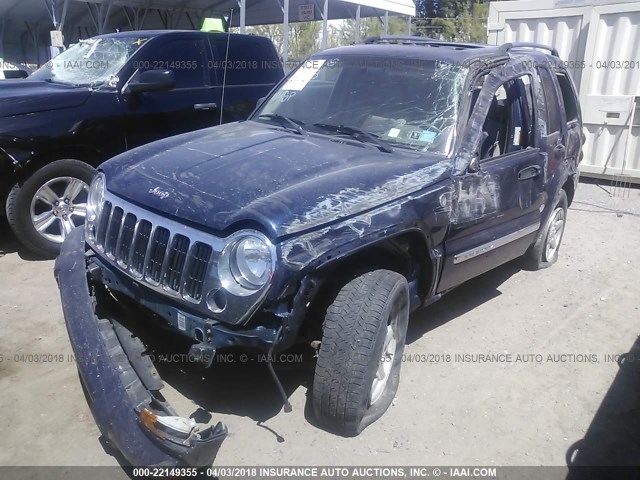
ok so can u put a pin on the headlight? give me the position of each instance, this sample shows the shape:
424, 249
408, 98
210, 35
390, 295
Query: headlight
246, 264
96, 198
95, 201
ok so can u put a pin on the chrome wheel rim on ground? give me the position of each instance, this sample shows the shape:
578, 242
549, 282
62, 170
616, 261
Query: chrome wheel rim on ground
554, 237
58, 207
387, 357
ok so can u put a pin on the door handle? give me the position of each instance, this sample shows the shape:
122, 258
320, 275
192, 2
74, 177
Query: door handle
205, 106
531, 171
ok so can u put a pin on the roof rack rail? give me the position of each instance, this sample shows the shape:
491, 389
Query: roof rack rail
397, 38
517, 45
419, 41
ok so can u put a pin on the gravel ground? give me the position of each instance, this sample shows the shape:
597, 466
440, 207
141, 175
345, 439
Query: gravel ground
558, 333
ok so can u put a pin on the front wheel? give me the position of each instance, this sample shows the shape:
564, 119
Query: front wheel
358, 367
49, 204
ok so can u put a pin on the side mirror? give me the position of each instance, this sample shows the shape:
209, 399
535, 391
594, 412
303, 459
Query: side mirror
474, 165
260, 102
15, 74
150, 81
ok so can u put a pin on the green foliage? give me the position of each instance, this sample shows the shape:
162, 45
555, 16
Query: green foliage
304, 37
344, 33
456, 20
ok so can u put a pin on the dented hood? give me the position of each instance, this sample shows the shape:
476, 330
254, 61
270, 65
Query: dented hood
247, 172
18, 97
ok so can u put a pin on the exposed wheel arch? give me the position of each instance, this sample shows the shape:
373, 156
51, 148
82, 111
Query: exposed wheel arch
82, 153
406, 253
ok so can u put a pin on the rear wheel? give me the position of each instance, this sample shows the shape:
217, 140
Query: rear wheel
358, 367
544, 252
49, 204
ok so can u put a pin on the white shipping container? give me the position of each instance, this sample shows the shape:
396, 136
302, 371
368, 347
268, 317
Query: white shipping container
600, 42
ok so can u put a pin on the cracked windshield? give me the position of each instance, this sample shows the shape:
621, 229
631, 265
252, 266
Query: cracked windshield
389, 102
90, 63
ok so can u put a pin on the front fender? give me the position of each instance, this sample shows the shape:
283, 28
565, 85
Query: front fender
427, 211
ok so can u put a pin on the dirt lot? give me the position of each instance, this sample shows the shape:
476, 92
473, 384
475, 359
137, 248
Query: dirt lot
450, 409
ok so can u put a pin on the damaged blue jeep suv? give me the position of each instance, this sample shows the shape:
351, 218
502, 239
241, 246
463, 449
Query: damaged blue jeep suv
372, 180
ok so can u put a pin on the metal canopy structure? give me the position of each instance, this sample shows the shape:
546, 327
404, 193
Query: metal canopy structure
25, 24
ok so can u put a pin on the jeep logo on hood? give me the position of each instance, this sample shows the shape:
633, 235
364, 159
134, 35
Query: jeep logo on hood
159, 193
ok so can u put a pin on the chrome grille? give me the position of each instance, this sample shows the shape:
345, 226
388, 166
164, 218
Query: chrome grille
113, 230
126, 239
140, 244
157, 252
175, 262
103, 222
196, 271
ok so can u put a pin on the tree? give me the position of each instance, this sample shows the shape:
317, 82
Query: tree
344, 33
273, 32
303, 37
454, 20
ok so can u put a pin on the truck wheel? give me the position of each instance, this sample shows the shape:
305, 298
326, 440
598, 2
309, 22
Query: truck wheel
49, 204
358, 367
544, 252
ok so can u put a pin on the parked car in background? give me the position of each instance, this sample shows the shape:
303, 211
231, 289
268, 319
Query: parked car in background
372, 181
106, 95
9, 70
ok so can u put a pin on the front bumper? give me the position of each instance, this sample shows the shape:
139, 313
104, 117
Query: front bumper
121, 389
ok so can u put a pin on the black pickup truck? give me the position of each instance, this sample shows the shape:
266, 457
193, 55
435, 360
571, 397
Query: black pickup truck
107, 95
373, 180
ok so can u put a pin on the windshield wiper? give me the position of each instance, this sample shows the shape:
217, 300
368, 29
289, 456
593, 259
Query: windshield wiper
358, 134
285, 122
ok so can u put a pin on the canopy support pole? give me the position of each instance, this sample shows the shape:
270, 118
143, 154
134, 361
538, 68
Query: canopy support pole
2, 41
357, 33
325, 16
285, 34
386, 22
409, 25
243, 11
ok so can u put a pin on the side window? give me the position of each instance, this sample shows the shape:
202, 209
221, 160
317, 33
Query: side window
185, 57
568, 97
551, 100
509, 123
249, 62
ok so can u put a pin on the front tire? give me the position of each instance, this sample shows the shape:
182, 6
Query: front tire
49, 204
358, 369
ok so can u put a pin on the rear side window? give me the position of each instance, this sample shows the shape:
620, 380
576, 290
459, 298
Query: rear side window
568, 97
551, 100
250, 62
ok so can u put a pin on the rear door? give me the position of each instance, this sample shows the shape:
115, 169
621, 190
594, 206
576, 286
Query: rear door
571, 118
554, 138
249, 68
496, 206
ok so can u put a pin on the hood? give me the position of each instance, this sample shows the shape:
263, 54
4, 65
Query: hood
250, 172
18, 97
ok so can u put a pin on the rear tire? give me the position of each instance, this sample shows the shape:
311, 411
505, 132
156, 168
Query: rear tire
544, 252
358, 369
34, 202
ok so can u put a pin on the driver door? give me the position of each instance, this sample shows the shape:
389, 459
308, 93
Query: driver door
191, 105
496, 208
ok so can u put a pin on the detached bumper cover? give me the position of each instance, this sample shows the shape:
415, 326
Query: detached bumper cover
122, 404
